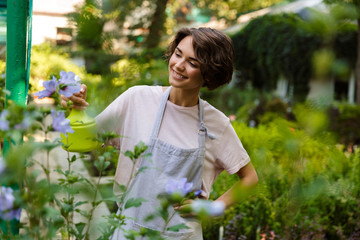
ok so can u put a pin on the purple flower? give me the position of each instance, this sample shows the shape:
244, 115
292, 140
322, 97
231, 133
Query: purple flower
60, 123
7, 204
197, 193
2, 164
178, 186
210, 208
69, 83
25, 123
50, 87
4, 124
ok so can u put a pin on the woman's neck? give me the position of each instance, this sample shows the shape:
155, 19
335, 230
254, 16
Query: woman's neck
184, 98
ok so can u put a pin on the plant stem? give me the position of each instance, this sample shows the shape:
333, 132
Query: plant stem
70, 216
167, 222
94, 199
47, 172
131, 175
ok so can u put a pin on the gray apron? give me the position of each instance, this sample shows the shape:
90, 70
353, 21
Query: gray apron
167, 162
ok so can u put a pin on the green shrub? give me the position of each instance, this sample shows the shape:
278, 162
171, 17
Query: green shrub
308, 187
47, 61
345, 123
275, 45
283, 45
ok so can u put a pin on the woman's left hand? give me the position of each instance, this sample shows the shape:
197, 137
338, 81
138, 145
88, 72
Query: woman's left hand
185, 209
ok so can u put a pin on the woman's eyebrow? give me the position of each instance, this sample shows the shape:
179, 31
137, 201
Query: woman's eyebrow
194, 59
179, 50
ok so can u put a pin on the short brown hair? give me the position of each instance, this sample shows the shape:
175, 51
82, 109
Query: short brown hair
214, 51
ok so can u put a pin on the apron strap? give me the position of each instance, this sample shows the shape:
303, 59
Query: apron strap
202, 124
203, 132
160, 114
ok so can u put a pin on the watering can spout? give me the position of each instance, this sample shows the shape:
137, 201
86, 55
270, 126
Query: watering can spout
85, 132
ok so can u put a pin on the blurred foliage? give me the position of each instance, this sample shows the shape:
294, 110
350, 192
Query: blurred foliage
89, 25
286, 45
229, 98
48, 61
118, 10
146, 23
231, 10
94, 43
97, 61
125, 73
274, 45
349, 6
345, 123
343, 128
309, 187
349, 10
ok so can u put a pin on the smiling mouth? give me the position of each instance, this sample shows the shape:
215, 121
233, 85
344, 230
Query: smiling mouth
178, 75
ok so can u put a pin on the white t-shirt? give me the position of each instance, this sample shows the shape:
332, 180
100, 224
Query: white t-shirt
132, 116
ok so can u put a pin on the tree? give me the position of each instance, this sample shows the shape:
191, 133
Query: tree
350, 9
89, 23
149, 16
231, 9
300, 49
94, 43
157, 24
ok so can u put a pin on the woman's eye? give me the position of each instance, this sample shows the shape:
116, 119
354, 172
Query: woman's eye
193, 64
177, 54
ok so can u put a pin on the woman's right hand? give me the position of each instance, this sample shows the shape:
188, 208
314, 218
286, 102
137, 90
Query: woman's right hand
78, 100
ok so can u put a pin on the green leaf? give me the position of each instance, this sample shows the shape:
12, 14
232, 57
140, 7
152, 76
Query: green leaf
99, 164
96, 203
129, 154
163, 213
80, 227
106, 165
120, 187
73, 158
59, 171
111, 199
80, 203
177, 227
147, 155
141, 170
82, 212
107, 155
150, 217
139, 149
134, 202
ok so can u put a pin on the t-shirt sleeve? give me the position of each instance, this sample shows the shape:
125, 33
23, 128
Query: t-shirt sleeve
231, 153
109, 120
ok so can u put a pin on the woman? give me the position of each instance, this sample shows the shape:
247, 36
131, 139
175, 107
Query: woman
186, 136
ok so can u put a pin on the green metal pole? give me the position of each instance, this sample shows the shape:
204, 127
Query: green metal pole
16, 81
16, 68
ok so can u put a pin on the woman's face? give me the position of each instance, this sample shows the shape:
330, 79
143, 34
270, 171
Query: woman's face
184, 69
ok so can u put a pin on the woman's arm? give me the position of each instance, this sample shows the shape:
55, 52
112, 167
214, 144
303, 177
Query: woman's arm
240, 190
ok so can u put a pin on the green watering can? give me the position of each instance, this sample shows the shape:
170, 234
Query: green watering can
85, 132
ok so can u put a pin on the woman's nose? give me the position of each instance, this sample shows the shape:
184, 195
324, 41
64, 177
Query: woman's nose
180, 65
